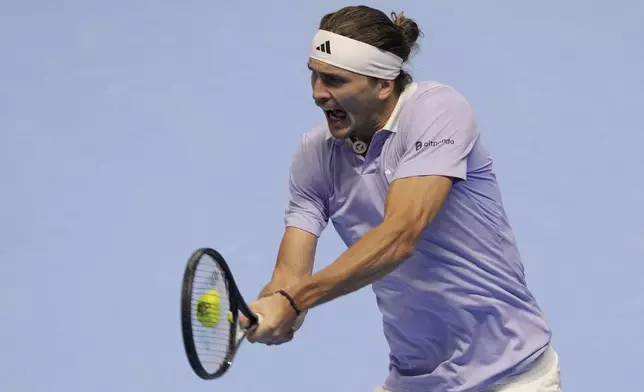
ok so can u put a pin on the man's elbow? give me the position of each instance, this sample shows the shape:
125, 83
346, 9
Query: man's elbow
405, 249
406, 241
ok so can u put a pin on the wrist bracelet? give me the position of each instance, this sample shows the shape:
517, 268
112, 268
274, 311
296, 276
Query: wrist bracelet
291, 300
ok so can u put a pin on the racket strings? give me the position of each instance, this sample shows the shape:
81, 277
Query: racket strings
211, 342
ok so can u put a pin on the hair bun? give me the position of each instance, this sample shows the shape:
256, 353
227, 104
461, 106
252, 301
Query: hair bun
409, 28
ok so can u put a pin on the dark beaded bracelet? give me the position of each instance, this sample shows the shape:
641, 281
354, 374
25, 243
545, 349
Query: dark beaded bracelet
291, 300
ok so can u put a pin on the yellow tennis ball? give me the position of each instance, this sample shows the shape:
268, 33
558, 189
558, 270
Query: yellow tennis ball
208, 308
230, 316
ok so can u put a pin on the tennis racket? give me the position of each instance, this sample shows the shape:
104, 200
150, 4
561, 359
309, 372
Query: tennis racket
210, 306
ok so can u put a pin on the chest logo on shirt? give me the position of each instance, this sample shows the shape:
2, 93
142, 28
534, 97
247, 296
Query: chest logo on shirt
432, 143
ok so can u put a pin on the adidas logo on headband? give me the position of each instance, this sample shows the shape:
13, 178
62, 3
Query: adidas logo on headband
355, 56
325, 47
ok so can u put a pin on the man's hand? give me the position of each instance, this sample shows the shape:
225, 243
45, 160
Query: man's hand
278, 320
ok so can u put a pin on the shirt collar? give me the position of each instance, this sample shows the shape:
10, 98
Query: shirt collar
392, 123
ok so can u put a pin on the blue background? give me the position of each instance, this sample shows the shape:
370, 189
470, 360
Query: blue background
132, 132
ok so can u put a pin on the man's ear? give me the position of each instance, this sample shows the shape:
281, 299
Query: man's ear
386, 88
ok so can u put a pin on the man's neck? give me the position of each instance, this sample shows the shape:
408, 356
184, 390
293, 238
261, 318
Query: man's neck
379, 122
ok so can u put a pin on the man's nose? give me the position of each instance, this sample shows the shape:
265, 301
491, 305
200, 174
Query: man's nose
320, 93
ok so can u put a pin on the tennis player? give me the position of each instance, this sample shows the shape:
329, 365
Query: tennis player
400, 169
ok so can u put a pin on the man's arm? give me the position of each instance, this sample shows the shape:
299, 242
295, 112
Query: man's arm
294, 260
437, 140
306, 216
411, 205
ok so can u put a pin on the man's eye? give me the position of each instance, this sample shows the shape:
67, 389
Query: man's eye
332, 80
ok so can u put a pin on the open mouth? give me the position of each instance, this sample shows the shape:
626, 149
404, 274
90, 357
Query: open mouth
336, 115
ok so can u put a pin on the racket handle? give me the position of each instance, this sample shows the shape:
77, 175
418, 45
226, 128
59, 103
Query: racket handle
241, 332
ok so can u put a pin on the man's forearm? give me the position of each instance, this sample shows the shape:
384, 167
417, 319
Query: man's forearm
272, 287
279, 281
294, 260
374, 256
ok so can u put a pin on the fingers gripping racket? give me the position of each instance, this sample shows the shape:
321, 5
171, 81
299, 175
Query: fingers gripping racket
210, 307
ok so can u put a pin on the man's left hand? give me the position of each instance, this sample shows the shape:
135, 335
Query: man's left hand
278, 320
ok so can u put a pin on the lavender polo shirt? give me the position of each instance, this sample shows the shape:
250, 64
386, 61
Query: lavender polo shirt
457, 315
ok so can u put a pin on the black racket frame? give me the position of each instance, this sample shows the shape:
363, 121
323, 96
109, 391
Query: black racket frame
237, 304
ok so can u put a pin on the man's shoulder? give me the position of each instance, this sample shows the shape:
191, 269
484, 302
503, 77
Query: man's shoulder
428, 99
431, 91
314, 146
317, 138
319, 134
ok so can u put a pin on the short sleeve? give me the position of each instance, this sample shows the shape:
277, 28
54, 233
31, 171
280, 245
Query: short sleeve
307, 207
438, 135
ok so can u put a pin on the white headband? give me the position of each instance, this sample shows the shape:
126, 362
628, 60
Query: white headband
355, 56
